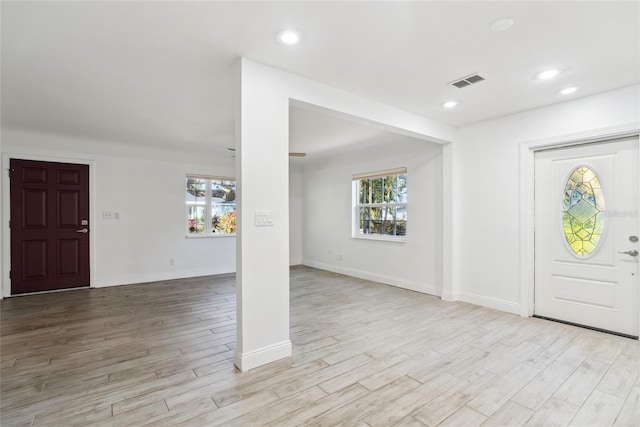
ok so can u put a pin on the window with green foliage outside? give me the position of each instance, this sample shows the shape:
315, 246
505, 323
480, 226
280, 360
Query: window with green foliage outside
211, 205
381, 203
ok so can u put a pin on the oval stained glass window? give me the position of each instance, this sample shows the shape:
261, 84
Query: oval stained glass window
583, 211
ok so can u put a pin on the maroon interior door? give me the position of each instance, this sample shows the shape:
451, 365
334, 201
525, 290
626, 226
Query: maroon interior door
49, 226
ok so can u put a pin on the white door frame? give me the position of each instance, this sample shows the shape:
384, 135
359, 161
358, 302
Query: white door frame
527, 213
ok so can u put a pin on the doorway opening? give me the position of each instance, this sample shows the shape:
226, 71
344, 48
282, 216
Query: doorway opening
586, 235
49, 226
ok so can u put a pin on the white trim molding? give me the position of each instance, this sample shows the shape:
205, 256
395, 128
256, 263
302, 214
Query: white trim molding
484, 301
386, 280
448, 280
262, 356
527, 213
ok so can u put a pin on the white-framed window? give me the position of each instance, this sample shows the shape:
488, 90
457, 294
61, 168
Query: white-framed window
210, 205
380, 204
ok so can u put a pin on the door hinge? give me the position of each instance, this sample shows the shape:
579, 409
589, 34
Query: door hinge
11, 171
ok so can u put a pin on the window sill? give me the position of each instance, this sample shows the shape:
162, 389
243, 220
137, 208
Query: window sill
211, 236
380, 237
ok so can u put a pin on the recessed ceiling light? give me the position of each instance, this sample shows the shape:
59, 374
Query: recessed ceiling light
289, 37
450, 104
569, 90
549, 74
501, 24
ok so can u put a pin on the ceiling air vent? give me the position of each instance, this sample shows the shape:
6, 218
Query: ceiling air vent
467, 81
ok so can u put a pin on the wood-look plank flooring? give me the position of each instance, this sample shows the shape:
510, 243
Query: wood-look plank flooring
364, 354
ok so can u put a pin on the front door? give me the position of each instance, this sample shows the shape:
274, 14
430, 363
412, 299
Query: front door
586, 235
49, 226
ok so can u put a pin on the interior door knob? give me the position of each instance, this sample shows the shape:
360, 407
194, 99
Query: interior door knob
85, 231
631, 252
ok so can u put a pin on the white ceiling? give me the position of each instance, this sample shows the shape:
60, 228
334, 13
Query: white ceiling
158, 73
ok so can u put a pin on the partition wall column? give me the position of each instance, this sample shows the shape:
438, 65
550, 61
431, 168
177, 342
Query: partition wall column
262, 249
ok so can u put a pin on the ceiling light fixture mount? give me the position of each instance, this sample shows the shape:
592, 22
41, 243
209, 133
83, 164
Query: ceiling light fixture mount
291, 154
549, 74
450, 104
289, 37
569, 90
501, 24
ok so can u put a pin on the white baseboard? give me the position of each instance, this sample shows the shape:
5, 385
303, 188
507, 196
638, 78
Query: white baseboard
262, 356
387, 280
447, 296
157, 277
495, 303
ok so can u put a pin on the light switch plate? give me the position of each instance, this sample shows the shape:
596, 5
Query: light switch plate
264, 218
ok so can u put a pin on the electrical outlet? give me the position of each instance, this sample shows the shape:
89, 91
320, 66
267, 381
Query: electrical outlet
172, 261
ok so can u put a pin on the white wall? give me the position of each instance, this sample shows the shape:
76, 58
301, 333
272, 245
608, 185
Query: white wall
327, 209
486, 189
485, 194
146, 187
3, 177
295, 212
262, 97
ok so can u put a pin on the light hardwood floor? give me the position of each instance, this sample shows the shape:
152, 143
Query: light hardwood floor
365, 354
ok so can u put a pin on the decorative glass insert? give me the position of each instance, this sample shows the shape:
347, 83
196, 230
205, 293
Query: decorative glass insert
583, 211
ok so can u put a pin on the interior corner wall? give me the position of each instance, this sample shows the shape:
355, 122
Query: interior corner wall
295, 213
146, 188
2, 178
327, 211
486, 189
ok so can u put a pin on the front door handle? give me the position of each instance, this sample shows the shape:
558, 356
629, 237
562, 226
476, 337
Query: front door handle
85, 231
631, 252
